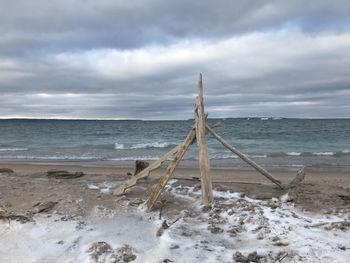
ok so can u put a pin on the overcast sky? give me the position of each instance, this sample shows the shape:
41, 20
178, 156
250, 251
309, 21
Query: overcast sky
141, 59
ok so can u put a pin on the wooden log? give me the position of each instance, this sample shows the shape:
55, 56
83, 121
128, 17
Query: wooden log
155, 165
206, 183
245, 158
170, 170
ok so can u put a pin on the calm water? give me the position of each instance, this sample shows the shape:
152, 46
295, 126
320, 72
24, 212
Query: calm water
275, 143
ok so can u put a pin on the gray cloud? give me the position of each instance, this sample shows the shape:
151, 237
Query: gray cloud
126, 59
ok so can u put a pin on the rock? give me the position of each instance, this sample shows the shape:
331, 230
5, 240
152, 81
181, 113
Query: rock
20, 218
215, 229
99, 249
6, 170
252, 257
123, 255
174, 246
140, 165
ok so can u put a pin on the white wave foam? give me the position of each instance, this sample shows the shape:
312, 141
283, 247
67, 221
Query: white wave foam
129, 158
13, 149
150, 145
118, 146
121, 146
293, 153
258, 156
324, 153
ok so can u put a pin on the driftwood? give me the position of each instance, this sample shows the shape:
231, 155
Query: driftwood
245, 158
140, 165
6, 170
206, 183
153, 166
61, 174
170, 170
42, 207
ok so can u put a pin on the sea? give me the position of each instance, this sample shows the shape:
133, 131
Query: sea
275, 143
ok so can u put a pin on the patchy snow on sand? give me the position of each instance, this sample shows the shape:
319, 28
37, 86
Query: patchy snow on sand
231, 230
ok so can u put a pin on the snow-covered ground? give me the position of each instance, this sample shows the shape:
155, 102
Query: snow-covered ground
232, 229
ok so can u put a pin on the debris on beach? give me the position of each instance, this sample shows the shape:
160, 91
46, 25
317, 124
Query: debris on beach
6, 170
62, 174
140, 165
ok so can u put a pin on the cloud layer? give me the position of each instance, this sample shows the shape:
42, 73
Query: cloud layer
121, 59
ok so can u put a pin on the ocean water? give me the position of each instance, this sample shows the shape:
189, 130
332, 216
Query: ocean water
276, 143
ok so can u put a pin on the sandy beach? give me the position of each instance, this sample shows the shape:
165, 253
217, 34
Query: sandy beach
32, 204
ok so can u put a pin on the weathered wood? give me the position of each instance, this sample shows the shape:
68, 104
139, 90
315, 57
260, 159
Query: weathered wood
155, 165
245, 158
170, 170
206, 183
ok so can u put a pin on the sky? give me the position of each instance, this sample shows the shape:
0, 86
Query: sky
114, 59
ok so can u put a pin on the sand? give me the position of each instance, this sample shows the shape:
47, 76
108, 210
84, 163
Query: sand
323, 197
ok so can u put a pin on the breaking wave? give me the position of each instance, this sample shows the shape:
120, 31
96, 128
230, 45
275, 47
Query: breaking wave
307, 154
122, 146
13, 149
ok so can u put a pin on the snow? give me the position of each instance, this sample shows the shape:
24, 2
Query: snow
273, 228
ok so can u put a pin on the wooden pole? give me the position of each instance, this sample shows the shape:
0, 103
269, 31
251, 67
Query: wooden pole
170, 170
245, 158
206, 183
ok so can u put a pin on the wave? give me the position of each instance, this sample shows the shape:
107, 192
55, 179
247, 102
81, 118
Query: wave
13, 149
121, 146
58, 158
308, 154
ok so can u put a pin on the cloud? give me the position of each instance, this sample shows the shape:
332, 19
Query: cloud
126, 59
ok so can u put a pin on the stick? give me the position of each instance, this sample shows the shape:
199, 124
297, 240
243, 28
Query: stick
206, 183
170, 170
245, 158
155, 165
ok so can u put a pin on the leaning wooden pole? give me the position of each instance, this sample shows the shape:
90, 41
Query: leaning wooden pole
170, 170
245, 158
206, 183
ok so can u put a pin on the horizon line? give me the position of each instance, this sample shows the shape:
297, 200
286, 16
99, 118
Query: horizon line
131, 119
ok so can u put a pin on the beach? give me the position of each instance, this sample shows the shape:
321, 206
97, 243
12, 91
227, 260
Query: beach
250, 215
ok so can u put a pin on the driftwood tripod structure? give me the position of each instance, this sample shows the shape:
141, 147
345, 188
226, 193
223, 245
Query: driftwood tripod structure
197, 133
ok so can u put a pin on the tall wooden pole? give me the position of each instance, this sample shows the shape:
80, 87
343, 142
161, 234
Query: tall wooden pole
206, 183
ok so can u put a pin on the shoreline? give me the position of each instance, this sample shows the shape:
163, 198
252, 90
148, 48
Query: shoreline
219, 174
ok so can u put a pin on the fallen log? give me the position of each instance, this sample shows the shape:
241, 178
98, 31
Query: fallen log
6, 170
170, 170
245, 158
61, 174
